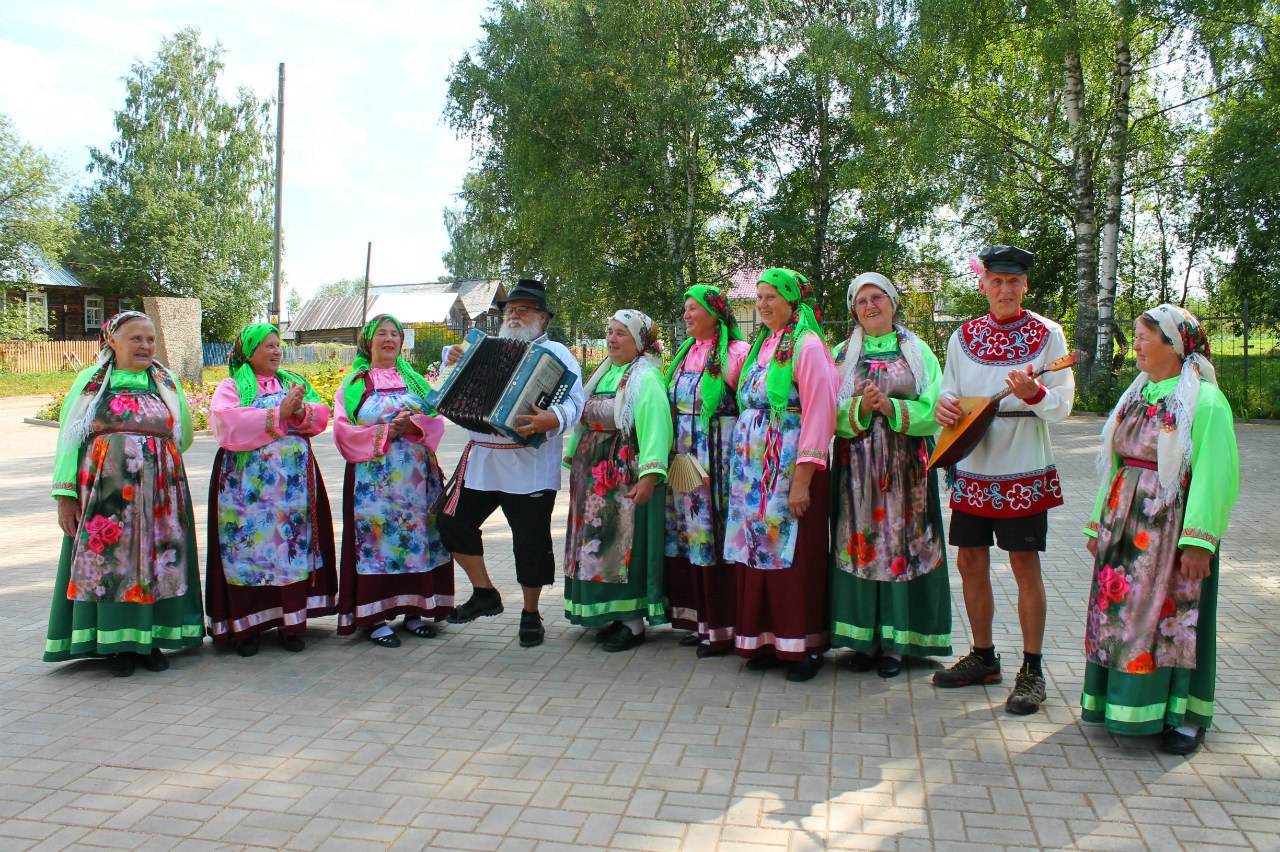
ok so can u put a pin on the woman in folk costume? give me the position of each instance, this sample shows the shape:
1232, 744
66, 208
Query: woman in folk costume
617, 459
1169, 452
777, 528
392, 559
271, 561
702, 385
127, 584
889, 589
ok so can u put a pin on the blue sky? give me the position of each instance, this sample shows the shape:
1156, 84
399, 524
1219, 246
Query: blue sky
367, 153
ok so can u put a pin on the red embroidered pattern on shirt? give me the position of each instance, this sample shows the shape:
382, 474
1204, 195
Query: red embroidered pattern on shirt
1011, 496
1199, 534
988, 342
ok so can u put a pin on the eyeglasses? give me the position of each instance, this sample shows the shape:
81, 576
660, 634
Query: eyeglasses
868, 301
518, 311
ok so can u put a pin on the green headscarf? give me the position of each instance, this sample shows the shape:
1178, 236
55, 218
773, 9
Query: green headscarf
780, 373
238, 366
413, 380
711, 386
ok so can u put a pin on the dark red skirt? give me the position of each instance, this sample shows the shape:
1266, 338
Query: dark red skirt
703, 599
783, 611
237, 613
366, 600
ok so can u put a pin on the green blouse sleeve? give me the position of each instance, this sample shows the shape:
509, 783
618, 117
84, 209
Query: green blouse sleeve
653, 424
66, 464
915, 417
1215, 472
187, 434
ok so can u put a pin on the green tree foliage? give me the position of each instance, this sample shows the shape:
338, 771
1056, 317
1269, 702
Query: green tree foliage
341, 287
182, 204
604, 133
35, 219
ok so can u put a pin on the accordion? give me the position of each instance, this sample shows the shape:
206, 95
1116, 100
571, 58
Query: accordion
497, 379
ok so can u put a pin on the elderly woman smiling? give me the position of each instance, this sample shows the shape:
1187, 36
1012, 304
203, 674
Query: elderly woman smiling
127, 583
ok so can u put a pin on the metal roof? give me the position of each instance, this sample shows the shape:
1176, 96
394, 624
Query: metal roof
477, 296
50, 274
325, 314
414, 308
742, 284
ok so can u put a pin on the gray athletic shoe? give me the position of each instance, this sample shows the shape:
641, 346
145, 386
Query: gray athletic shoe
1028, 694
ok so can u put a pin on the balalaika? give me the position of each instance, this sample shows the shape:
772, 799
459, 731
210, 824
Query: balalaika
496, 380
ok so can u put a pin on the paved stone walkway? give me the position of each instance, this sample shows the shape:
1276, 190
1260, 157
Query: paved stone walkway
469, 742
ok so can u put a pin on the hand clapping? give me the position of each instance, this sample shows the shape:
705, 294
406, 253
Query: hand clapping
292, 405
874, 399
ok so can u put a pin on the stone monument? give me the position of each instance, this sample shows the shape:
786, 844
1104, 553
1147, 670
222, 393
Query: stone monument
177, 323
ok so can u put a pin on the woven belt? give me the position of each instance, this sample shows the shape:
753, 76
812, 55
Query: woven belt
453, 489
1015, 414
1140, 463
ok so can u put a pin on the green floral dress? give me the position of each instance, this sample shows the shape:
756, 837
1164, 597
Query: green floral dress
128, 580
1151, 634
889, 586
613, 548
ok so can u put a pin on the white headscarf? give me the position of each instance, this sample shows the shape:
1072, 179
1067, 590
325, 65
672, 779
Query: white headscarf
644, 333
907, 340
1173, 446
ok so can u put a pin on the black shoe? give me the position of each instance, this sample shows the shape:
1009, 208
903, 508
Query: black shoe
483, 602
247, 647
1176, 742
968, 670
291, 642
1027, 695
806, 668
605, 633
122, 665
531, 631
688, 640
763, 662
422, 630
155, 661
858, 662
705, 651
888, 666
623, 640
391, 640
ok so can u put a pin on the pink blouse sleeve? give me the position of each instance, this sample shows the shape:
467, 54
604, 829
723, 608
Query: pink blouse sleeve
357, 443
238, 427
816, 382
738, 352
432, 427
311, 421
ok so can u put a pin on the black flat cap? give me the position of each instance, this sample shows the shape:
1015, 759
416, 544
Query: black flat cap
1009, 259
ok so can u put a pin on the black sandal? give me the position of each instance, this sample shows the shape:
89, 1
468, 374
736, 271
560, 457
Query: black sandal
391, 640
422, 631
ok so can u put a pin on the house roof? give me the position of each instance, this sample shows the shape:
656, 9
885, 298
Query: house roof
742, 283
345, 311
477, 296
49, 274
324, 314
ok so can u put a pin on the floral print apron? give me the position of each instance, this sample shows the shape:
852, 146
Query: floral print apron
761, 539
602, 520
695, 521
393, 495
883, 514
1142, 611
132, 543
264, 511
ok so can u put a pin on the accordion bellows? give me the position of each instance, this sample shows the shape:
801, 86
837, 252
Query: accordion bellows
495, 381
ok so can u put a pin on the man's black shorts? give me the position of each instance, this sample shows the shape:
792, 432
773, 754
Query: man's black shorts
1013, 535
528, 515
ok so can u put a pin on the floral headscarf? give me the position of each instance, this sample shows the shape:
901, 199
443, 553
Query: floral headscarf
79, 419
711, 385
1173, 445
649, 357
908, 342
360, 366
251, 337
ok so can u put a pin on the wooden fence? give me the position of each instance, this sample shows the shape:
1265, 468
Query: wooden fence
47, 357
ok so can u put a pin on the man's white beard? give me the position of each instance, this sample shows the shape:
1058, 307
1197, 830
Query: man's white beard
517, 330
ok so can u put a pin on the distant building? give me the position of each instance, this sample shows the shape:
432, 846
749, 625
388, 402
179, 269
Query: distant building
478, 298
67, 308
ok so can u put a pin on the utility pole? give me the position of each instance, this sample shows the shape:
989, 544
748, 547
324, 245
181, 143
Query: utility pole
368, 256
275, 276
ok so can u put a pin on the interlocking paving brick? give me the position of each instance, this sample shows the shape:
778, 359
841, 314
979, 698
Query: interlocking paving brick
468, 742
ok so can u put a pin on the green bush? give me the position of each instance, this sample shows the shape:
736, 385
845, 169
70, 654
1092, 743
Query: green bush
427, 343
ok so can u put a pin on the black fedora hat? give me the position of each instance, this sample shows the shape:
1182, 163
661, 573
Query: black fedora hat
527, 290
